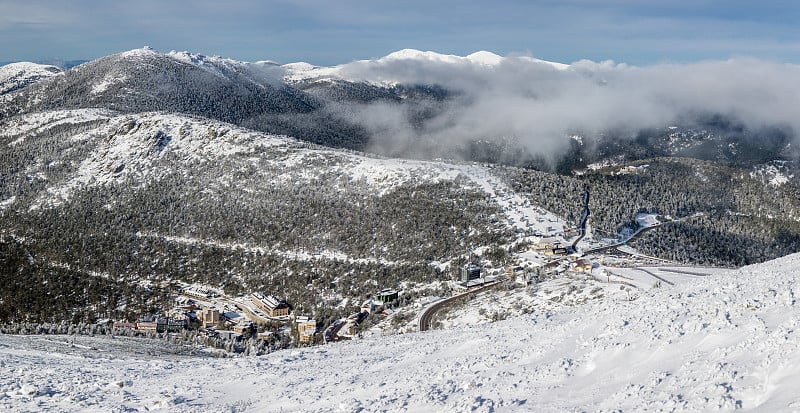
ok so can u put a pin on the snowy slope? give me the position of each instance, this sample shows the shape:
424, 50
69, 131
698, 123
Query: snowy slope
774, 173
126, 145
719, 343
135, 146
16, 76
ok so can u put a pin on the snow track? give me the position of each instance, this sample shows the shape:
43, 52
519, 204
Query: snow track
520, 214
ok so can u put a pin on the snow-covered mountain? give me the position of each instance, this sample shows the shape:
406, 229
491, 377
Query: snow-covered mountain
380, 70
146, 169
143, 195
15, 76
125, 178
296, 216
483, 107
716, 343
143, 79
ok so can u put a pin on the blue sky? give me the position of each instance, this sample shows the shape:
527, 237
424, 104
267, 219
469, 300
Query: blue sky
332, 32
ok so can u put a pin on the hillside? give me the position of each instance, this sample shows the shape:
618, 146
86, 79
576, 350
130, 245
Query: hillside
16, 76
722, 342
121, 198
124, 177
163, 197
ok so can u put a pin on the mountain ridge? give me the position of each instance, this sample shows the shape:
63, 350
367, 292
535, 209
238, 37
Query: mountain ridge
16, 76
410, 104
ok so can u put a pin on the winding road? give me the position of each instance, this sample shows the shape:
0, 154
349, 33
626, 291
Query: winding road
426, 318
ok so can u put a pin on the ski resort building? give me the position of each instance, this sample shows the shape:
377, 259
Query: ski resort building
470, 272
582, 265
199, 292
147, 326
168, 324
547, 243
370, 305
208, 317
556, 251
386, 296
306, 328
121, 324
271, 305
242, 327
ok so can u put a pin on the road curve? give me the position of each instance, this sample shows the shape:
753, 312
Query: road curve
426, 317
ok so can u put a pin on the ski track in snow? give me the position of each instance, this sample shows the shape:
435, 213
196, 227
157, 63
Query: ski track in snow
520, 214
721, 342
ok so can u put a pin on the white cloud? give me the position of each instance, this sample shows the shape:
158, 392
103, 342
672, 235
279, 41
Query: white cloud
33, 13
540, 104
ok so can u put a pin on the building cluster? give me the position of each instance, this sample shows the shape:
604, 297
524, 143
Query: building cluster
212, 314
159, 325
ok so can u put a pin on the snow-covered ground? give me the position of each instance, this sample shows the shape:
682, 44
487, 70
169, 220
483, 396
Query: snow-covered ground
718, 342
16, 76
775, 173
131, 147
520, 214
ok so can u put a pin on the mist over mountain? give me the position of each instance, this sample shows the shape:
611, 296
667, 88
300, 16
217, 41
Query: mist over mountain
538, 104
514, 110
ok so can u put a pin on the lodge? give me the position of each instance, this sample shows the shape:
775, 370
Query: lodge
271, 305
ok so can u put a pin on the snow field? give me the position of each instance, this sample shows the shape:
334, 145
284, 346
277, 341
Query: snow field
721, 342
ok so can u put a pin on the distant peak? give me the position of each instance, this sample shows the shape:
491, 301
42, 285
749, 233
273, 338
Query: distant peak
30, 66
142, 51
415, 54
482, 57
486, 58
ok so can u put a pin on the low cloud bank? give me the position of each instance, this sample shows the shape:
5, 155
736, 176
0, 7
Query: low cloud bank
539, 104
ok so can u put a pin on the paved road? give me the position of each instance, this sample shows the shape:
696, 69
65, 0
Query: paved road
426, 317
698, 274
632, 238
654, 275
